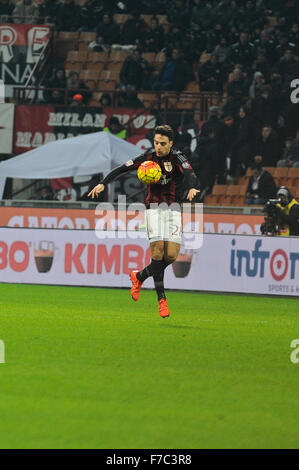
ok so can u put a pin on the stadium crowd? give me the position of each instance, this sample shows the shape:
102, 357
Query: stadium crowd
246, 51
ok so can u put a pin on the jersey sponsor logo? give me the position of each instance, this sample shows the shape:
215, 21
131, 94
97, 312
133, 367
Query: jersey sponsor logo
186, 165
168, 166
129, 163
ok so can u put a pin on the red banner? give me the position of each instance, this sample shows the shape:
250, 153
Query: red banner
38, 125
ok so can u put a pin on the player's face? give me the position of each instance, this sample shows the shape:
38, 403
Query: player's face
162, 145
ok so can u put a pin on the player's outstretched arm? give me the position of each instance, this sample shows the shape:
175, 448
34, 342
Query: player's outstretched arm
192, 193
96, 190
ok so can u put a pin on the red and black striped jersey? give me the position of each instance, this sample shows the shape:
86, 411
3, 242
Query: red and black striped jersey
177, 174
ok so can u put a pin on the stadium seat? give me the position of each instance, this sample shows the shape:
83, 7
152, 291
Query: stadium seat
147, 19
210, 199
109, 75
95, 57
87, 37
293, 177
148, 99
70, 67
232, 194
279, 175
192, 87
118, 56
219, 190
102, 85
90, 77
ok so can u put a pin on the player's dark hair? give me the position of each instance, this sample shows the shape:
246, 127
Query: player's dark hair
164, 130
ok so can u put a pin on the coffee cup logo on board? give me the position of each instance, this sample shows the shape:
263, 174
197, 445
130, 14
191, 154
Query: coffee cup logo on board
182, 264
43, 255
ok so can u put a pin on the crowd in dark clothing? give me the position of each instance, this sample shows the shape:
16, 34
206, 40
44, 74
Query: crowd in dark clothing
245, 50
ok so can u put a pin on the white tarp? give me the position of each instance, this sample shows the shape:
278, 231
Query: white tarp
87, 154
6, 127
224, 263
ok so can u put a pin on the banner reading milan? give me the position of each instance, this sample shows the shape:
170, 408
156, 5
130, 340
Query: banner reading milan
38, 125
224, 263
20, 48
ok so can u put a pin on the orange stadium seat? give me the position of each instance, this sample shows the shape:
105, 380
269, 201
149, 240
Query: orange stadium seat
90, 77
148, 99
293, 177
279, 175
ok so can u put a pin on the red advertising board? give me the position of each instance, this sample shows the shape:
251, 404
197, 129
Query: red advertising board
87, 219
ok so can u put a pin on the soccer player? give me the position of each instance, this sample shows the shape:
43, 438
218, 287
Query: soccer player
163, 222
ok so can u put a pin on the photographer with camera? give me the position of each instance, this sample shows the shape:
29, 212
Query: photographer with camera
282, 215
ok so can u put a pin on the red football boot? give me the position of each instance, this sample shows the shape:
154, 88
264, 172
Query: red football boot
136, 286
163, 308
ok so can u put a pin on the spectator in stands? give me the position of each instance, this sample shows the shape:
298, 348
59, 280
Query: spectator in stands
263, 109
67, 15
56, 97
224, 12
133, 29
241, 146
256, 85
290, 156
174, 75
178, 13
114, 127
260, 64
202, 14
152, 40
25, 12
105, 100
288, 65
265, 45
242, 52
75, 85
210, 75
6, 9
205, 160
237, 82
90, 11
98, 45
268, 146
46, 194
261, 186
131, 74
77, 100
221, 50
108, 30
58, 80
219, 129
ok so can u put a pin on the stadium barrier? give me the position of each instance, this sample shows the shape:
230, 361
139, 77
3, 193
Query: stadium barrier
224, 263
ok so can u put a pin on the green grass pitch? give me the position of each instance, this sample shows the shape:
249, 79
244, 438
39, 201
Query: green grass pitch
90, 368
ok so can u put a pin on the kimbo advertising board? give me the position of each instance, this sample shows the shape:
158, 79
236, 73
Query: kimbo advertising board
224, 263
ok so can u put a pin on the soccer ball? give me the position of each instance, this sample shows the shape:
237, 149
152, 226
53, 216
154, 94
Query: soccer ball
149, 172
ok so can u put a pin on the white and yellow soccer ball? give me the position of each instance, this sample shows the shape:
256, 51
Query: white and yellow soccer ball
149, 172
